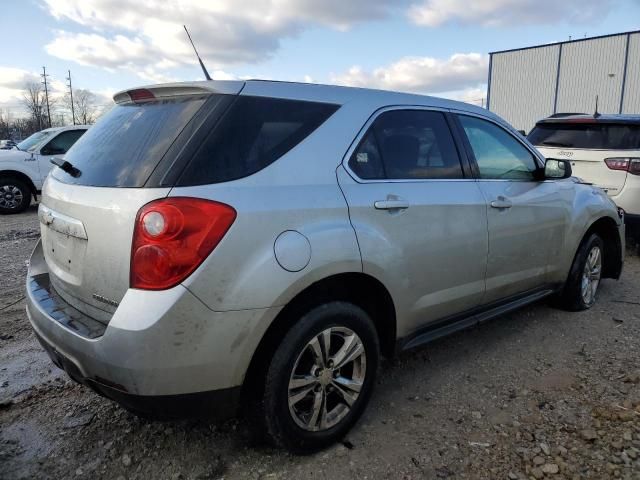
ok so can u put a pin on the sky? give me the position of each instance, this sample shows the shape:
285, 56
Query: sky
437, 47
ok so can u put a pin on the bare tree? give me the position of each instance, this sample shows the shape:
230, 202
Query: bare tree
84, 106
33, 100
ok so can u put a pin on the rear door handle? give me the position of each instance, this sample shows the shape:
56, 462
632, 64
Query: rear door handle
391, 204
501, 202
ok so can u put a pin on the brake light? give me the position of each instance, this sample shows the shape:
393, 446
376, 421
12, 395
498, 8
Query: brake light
631, 165
141, 94
172, 237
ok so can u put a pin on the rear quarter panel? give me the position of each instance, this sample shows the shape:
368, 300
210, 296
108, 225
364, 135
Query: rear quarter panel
298, 192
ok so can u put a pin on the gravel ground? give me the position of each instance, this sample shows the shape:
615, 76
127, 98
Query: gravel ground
539, 393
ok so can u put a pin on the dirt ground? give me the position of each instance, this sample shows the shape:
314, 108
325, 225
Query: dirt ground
539, 393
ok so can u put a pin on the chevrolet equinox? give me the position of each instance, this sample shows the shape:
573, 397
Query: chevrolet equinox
212, 245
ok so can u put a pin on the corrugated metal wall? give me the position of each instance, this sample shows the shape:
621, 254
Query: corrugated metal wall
523, 84
590, 68
529, 84
631, 102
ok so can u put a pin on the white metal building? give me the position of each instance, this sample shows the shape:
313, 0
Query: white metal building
528, 84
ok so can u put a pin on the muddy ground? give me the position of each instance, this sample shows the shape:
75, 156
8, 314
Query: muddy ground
539, 393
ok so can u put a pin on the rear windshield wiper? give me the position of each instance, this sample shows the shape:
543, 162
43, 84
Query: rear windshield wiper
66, 166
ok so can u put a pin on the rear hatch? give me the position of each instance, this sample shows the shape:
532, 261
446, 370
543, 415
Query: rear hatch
126, 160
595, 150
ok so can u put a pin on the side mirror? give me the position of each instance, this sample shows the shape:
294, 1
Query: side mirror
557, 169
522, 132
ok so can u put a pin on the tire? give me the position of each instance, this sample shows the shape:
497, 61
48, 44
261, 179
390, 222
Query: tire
15, 195
297, 428
580, 294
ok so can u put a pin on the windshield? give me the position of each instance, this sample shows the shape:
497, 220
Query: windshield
599, 136
30, 143
128, 142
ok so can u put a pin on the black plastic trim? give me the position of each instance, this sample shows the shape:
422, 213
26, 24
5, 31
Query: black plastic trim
59, 310
472, 317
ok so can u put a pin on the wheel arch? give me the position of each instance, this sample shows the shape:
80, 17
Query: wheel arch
22, 176
358, 288
607, 229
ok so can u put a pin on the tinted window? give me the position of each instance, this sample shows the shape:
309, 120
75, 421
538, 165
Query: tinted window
251, 135
62, 143
126, 144
587, 135
498, 154
412, 144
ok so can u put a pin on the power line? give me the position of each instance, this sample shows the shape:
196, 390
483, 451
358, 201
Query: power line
73, 113
46, 93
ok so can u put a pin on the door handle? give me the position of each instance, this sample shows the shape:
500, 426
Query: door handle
501, 203
391, 204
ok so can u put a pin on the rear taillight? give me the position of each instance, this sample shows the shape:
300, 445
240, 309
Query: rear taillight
631, 165
141, 94
172, 237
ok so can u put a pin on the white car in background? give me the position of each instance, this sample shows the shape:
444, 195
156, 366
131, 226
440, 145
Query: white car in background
603, 150
24, 168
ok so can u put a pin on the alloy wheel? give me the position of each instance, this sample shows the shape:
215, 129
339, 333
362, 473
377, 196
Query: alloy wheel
591, 275
326, 379
10, 196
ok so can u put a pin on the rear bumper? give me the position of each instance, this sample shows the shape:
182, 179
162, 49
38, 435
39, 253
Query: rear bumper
159, 349
219, 404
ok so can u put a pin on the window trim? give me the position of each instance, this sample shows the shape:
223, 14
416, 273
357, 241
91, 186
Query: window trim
537, 156
465, 162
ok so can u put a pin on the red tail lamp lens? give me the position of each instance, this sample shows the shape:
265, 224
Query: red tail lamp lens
172, 237
141, 94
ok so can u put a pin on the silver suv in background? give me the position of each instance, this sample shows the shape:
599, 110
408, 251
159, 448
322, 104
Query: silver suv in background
261, 244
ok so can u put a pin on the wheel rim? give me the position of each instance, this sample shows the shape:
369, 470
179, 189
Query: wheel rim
327, 379
10, 196
591, 275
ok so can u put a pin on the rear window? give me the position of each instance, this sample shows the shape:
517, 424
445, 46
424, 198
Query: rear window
599, 136
251, 135
125, 146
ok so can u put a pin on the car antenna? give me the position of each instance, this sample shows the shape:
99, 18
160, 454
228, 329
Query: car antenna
596, 114
204, 69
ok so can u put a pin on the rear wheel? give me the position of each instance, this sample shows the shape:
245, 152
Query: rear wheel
15, 195
585, 275
321, 377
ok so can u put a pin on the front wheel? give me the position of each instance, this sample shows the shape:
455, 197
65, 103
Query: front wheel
15, 195
321, 377
585, 275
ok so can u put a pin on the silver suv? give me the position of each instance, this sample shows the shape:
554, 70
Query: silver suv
216, 245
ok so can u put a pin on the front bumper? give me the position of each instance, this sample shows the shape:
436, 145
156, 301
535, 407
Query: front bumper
159, 351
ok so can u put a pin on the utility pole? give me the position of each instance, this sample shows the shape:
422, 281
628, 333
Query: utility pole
73, 114
46, 93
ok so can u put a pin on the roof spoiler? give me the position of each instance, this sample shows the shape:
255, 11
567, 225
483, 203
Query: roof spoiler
169, 90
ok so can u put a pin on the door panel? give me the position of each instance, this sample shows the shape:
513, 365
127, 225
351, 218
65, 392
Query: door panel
432, 254
525, 239
526, 217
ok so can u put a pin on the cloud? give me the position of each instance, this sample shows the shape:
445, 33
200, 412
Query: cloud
150, 37
421, 74
498, 13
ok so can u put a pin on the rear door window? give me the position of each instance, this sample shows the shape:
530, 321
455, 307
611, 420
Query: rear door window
407, 144
124, 146
597, 136
251, 135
